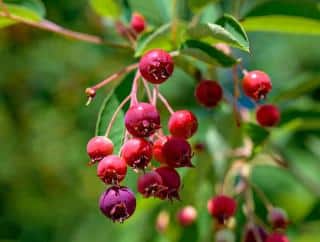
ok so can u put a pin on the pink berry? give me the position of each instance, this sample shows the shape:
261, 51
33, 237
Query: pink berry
253, 233
222, 207
137, 153
208, 93
171, 181
142, 120
187, 216
278, 218
150, 184
256, 84
117, 203
268, 115
177, 153
98, 147
224, 48
277, 237
183, 124
138, 23
158, 149
112, 169
156, 66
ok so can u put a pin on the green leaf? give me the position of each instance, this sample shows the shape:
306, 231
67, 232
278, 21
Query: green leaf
257, 134
107, 8
206, 53
196, 5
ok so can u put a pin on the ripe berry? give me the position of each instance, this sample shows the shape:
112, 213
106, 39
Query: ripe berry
278, 218
276, 237
268, 115
222, 207
137, 153
149, 184
171, 181
99, 147
177, 153
208, 93
187, 215
256, 84
138, 23
142, 120
112, 169
117, 203
254, 232
156, 66
158, 149
183, 124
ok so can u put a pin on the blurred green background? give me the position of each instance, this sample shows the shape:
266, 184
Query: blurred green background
49, 194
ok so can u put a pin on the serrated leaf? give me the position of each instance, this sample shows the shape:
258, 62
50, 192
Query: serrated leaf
206, 53
107, 8
257, 134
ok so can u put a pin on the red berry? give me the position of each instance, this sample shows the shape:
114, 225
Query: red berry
171, 181
268, 115
276, 237
222, 207
183, 124
112, 169
208, 93
158, 149
156, 66
137, 153
142, 120
177, 153
149, 184
138, 22
256, 84
278, 218
98, 147
187, 215
253, 233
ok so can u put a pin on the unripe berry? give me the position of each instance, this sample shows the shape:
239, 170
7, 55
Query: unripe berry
187, 215
112, 169
183, 124
158, 149
177, 153
222, 207
208, 93
254, 233
138, 23
98, 147
268, 115
171, 181
277, 237
137, 153
142, 120
156, 66
162, 221
225, 235
117, 203
90, 92
278, 218
256, 84
149, 184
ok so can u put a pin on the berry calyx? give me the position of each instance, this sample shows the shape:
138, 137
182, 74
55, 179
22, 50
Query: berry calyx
183, 124
158, 149
208, 93
187, 216
177, 153
278, 218
138, 23
256, 84
117, 203
149, 184
112, 169
268, 115
171, 181
156, 66
98, 147
254, 233
222, 207
142, 120
277, 237
137, 153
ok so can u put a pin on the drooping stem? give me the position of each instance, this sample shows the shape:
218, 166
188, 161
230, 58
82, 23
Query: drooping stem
165, 103
236, 94
134, 89
148, 91
174, 22
155, 95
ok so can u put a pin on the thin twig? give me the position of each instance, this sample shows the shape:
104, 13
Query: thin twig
148, 91
261, 195
174, 21
4, 7
134, 89
236, 94
155, 95
165, 103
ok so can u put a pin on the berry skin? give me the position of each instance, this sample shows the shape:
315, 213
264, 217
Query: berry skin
268, 115
208, 93
253, 232
149, 184
183, 124
117, 203
158, 149
278, 218
137, 153
112, 169
256, 84
142, 120
222, 207
186, 216
156, 66
138, 23
177, 153
98, 147
276, 237
171, 181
